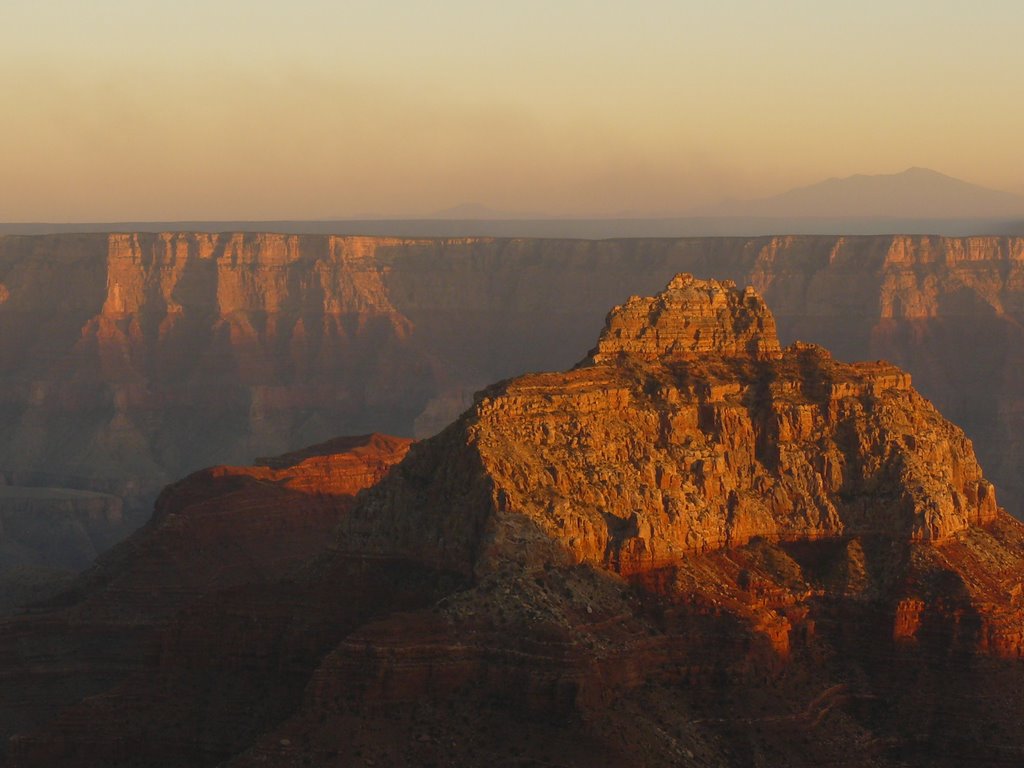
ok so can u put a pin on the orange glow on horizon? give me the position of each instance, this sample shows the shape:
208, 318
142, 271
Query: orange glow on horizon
575, 110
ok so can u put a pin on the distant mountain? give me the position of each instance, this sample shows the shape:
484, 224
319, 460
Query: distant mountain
914, 193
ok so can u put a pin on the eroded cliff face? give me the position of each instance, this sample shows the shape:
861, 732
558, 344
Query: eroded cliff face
696, 547
687, 429
947, 310
693, 548
128, 360
690, 319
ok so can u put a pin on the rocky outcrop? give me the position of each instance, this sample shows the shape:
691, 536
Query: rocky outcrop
128, 360
686, 430
224, 528
227, 526
727, 555
691, 318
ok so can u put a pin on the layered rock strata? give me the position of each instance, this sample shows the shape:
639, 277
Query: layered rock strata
691, 318
128, 360
687, 429
687, 551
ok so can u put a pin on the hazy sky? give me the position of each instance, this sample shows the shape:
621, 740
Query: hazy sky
134, 109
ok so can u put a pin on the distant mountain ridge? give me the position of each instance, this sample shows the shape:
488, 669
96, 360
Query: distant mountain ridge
913, 193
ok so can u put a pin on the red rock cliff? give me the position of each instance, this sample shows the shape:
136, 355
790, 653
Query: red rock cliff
684, 552
131, 359
686, 430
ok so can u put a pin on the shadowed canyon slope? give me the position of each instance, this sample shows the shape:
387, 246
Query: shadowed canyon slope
129, 360
217, 529
694, 548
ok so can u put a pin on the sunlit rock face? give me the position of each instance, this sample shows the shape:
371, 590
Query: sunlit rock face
690, 318
688, 549
687, 429
128, 360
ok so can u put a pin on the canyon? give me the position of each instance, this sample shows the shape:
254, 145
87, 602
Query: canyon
129, 360
696, 546
216, 530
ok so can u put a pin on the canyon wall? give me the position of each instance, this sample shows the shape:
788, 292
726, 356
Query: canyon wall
695, 547
127, 360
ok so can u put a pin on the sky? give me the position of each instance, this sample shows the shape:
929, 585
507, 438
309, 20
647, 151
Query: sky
118, 110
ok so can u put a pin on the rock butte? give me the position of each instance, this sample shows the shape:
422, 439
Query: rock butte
128, 360
691, 318
694, 548
687, 429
